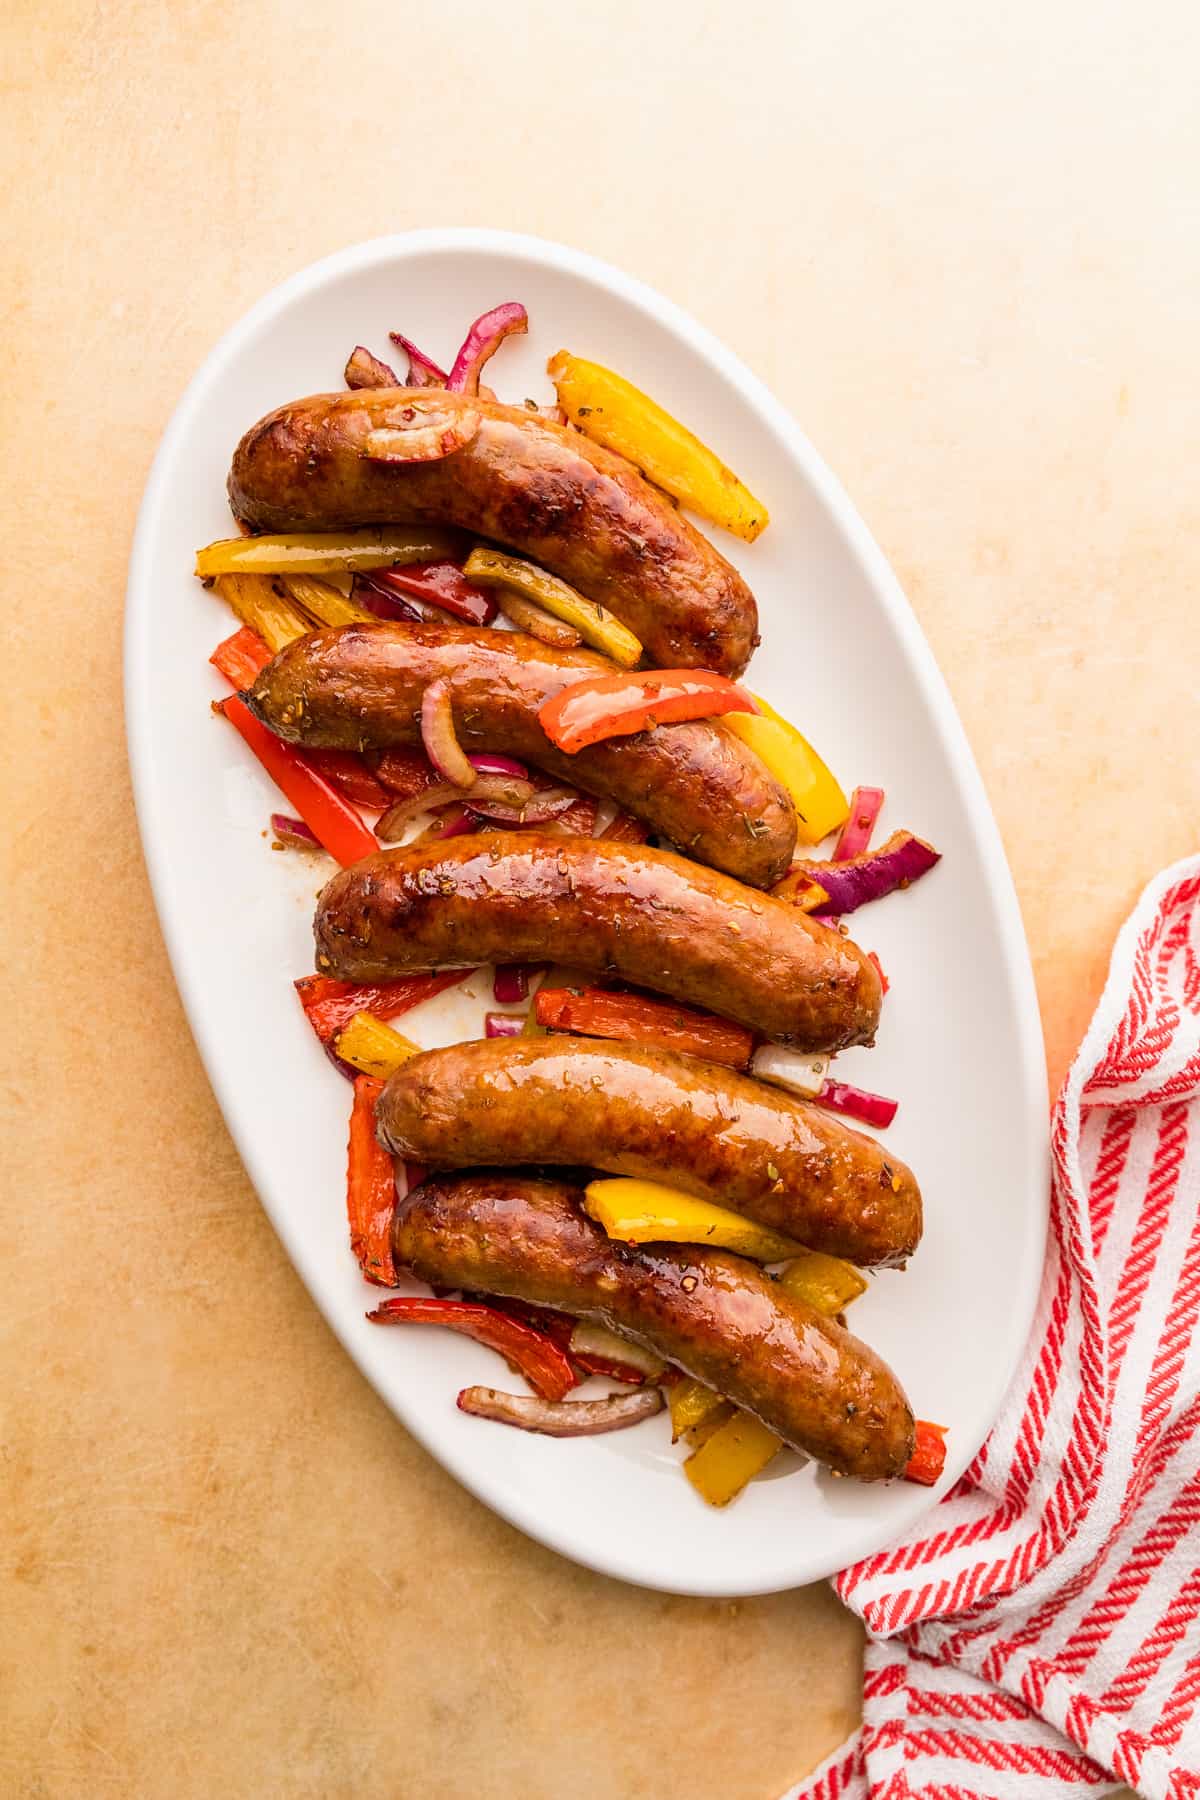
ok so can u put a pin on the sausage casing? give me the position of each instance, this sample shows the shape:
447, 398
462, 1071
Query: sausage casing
584, 513
715, 1315
587, 1103
360, 686
645, 916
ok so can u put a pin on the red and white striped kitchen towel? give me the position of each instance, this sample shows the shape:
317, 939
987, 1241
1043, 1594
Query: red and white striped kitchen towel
1039, 1637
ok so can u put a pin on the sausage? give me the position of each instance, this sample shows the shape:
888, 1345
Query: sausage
647, 916
576, 508
715, 1315
361, 685
587, 1103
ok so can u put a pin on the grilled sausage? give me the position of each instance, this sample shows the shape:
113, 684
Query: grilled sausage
586, 1103
712, 1314
576, 508
646, 916
361, 686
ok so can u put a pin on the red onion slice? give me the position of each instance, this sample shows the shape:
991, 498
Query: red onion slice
511, 984
791, 1069
491, 790
502, 1025
481, 343
366, 371
561, 1418
535, 811
294, 833
453, 821
866, 804
440, 738
384, 602
897, 863
412, 434
858, 1103
422, 370
489, 763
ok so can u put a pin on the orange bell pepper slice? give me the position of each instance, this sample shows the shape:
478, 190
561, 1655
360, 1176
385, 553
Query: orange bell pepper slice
606, 706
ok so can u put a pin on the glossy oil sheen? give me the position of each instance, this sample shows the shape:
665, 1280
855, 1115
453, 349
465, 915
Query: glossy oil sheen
959, 1044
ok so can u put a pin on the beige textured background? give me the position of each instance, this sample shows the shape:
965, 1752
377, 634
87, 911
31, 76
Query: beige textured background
962, 243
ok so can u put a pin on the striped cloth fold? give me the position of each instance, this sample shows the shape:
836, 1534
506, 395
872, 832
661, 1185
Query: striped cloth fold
1038, 1636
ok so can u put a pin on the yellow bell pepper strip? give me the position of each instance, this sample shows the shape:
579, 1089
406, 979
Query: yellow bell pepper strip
615, 413
690, 1403
734, 1454
740, 1448
821, 806
263, 606
607, 706
370, 1188
657, 1023
826, 1283
929, 1454
324, 603
325, 552
716, 1421
594, 623
321, 807
649, 1212
374, 1048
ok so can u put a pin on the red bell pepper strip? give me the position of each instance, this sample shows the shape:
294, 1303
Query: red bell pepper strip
241, 657
596, 1013
884, 983
405, 771
349, 774
531, 1353
370, 1188
320, 806
329, 1005
439, 584
606, 706
929, 1454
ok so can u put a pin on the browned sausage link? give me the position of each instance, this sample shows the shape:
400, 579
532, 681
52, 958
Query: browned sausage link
713, 1314
647, 916
361, 686
574, 507
584, 1103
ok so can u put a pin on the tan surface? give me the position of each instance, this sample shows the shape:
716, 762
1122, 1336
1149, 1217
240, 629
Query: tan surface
962, 244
